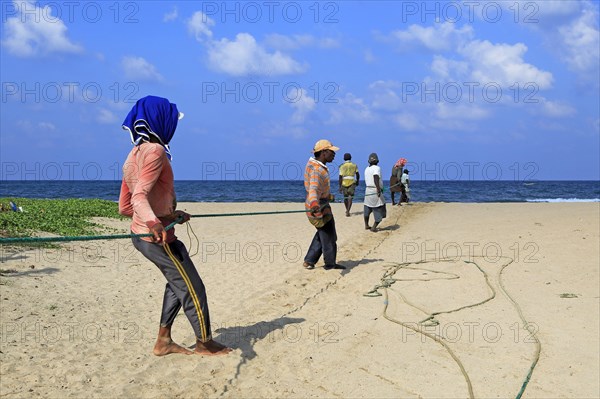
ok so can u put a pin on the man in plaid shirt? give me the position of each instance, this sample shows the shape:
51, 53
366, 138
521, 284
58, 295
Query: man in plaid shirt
318, 210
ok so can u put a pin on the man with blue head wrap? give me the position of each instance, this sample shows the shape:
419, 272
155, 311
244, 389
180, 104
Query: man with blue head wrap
148, 197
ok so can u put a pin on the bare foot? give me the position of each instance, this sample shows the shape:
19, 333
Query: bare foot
367, 227
165, 346
211, 348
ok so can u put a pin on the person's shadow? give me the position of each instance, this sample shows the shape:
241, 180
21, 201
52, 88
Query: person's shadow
392, 227
244, 337
9, 255
351, 264
16, 273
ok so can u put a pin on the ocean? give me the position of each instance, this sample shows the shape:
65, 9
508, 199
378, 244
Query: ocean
293, 190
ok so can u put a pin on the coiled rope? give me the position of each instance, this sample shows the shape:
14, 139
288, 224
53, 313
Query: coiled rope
387, 280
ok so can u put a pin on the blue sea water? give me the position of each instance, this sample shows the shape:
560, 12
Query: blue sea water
293, 191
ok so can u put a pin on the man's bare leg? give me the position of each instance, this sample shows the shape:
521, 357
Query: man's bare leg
211, 348
374, 228
165, 345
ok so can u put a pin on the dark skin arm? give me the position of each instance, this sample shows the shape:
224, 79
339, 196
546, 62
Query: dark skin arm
376, 178
158, 230
159, 234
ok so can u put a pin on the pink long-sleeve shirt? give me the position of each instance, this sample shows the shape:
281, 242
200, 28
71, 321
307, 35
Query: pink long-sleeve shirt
148, 191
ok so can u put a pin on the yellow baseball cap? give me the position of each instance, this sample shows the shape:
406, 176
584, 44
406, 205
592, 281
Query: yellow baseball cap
324, 145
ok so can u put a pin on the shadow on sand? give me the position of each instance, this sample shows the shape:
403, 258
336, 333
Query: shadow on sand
244, 338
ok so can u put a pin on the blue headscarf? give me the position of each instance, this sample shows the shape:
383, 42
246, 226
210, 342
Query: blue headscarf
155, 116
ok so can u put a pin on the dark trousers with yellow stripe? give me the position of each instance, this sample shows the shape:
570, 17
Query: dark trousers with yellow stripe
184, 285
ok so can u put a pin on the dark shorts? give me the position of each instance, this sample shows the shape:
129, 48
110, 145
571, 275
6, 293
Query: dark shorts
380, 212
348, 191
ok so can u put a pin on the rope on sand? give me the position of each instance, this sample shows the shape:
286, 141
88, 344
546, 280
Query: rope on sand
387, 280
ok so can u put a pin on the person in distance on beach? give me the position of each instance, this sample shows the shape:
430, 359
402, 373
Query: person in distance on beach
405, 181
374, 201
349, 178
148, 197
395, 186
318, 209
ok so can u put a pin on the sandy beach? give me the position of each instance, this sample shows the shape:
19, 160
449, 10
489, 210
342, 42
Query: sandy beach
80, 321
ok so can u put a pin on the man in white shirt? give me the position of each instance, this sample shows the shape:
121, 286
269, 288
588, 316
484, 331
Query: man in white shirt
374, 200
405, 181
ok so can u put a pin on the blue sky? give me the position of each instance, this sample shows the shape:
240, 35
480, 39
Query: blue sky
479, 90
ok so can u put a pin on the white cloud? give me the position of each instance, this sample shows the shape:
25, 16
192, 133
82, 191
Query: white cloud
384, 95
46, 126
244, 56
303, 105
434, 118
440, 37
569, 28
24, 125
278, 130
106, 116
503, 64
445, 111
485, 63
539, 12
36, 32
200, 26
369, 57
595, 123
582, 42
30, 127
286, 43
550, 8
478, 60
408, 122
140, 69
171, 16
328, 43
556, 109
449, 70
350, 109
